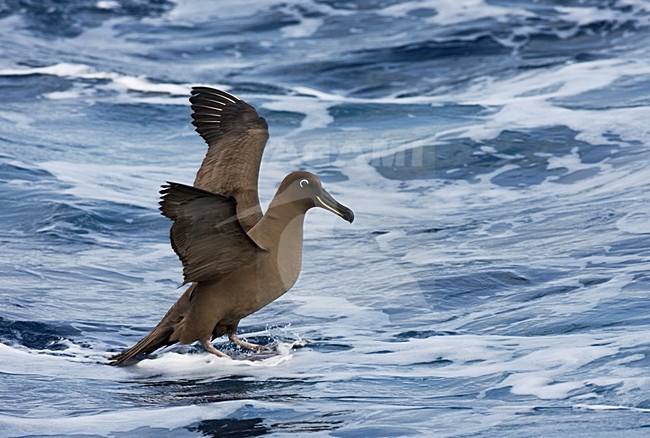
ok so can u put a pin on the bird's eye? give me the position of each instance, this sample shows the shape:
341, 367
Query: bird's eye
303, 182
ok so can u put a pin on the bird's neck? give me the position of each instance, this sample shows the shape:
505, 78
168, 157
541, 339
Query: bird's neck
280, 232
281, 226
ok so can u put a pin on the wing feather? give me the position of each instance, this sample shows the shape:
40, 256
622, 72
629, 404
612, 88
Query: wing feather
206, 234
236, 136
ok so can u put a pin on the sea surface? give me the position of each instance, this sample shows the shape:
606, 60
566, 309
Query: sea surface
496, 281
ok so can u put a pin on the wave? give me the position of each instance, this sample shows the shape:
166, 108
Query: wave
64, 19
111, 80
495, 279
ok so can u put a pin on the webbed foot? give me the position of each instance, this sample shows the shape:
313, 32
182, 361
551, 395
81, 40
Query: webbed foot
210, 348
248, 345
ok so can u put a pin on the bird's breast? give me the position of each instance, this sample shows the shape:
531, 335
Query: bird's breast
288, 254
277, 269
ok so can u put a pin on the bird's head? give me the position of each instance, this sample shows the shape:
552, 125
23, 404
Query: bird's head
305, 190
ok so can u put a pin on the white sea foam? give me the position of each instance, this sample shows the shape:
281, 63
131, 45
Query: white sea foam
316, 112
73, 361
117, 81
307, 27
548, 367
331, 97
107, 4
609, 408
205, 365
585, 15
195, 11
126, 420
62, 95
635, 222
332, 307
133, 185
63, 69
450, 12
20, 121
520, 109
545, 366
586, 299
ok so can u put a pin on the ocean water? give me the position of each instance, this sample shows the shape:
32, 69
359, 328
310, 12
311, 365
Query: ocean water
495, 152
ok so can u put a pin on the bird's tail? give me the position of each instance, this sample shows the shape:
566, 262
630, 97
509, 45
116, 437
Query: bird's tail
159, 337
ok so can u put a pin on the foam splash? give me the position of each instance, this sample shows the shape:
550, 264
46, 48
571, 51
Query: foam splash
181, 365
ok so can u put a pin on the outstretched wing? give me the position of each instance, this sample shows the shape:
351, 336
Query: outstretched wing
206, 234
236, 136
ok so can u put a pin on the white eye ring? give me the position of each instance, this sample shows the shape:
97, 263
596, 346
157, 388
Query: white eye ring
303, 181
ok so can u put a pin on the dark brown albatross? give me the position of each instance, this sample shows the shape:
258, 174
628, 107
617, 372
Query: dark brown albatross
236, 259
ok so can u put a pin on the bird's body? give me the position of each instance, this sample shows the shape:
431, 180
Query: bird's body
219, 305
236, 259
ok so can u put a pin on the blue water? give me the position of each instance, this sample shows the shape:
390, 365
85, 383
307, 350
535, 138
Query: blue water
495, 152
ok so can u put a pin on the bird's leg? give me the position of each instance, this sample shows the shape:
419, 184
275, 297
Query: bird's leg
232, 335
210, 348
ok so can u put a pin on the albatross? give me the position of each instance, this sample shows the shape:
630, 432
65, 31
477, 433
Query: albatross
236, 259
